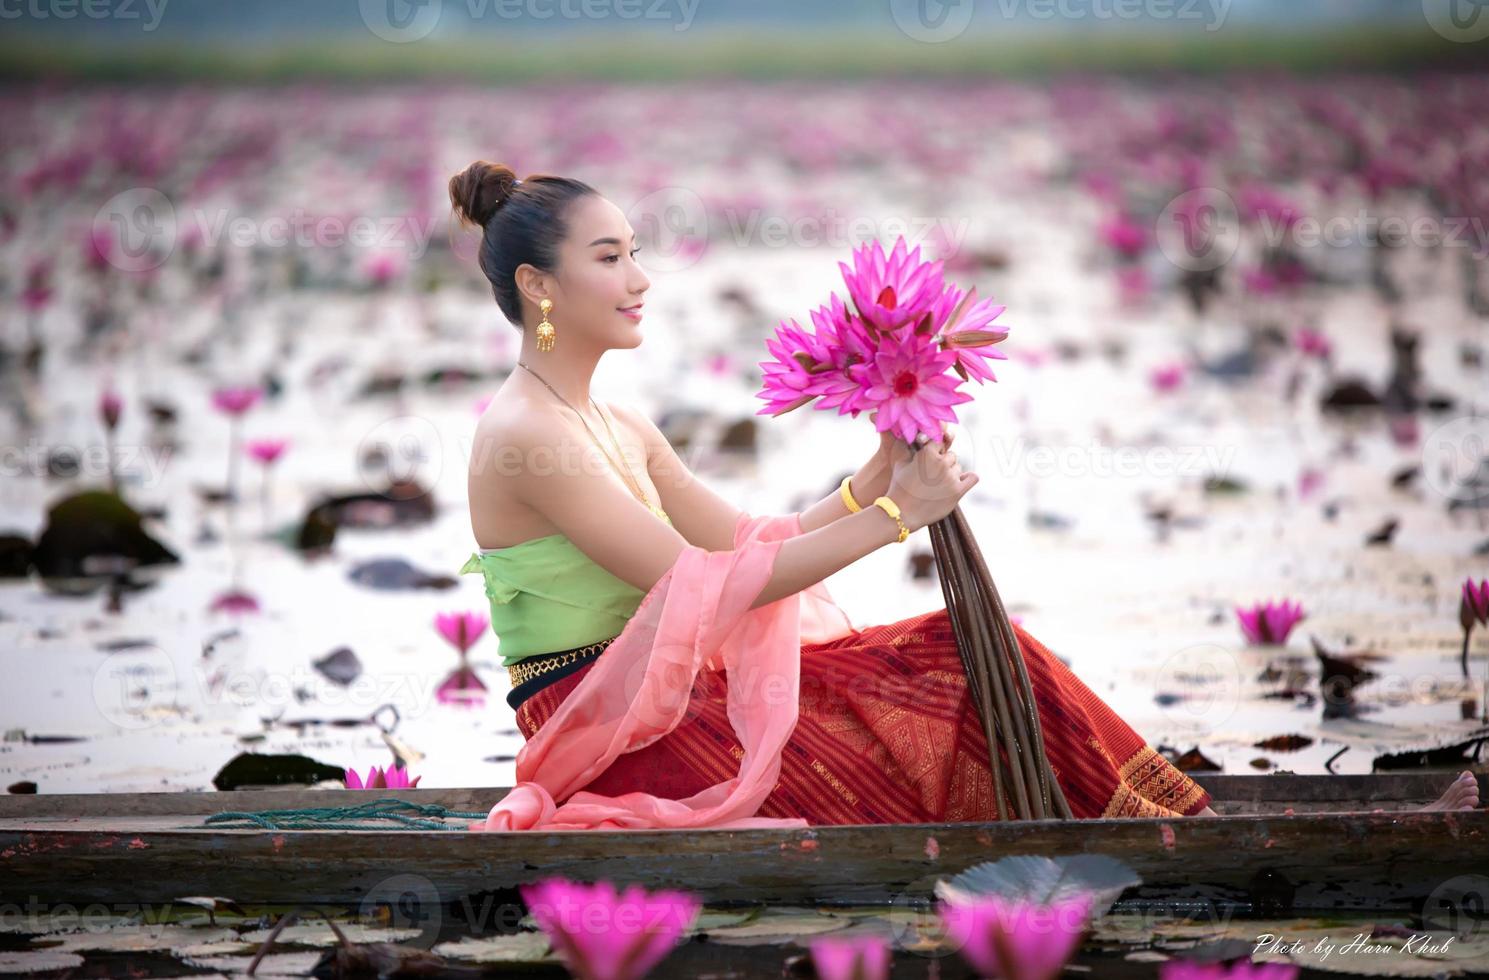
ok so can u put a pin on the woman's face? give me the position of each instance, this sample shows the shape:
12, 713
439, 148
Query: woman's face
599, 286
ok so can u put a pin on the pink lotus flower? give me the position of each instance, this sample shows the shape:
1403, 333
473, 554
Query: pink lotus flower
1475, 605
396, 777
1184, 970
1270, 622
1124, 236
1309, 482
266, 451
1016, 940
1313, 343
859, 958
890, 291
483, 403
970, 333
236, 401
1133, 285
463, 687
462, 629
235, 602
604, 935
894, 354
98, 249
1168, 377
384, 267
110, 407
907, 386
1473, 610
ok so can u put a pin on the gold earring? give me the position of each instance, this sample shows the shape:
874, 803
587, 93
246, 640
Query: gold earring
546, 333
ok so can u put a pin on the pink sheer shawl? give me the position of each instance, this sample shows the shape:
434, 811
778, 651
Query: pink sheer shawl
696, 617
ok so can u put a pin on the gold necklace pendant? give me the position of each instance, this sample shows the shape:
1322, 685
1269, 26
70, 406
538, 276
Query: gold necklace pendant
623, 471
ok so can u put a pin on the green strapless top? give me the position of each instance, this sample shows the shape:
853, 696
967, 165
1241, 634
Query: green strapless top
547, 595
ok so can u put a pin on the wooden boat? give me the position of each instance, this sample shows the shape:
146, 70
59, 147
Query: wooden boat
1377, 856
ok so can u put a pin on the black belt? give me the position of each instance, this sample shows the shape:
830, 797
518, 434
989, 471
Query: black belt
521, 692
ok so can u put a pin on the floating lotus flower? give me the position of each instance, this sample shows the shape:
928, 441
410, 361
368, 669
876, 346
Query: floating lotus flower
1313, 343
893, 352
602, 934
1124, 236
859, 958
1473, 609
266, 451
235, 602
1168, 377
234, 402
1270, 622
396, 777
462, 629
1016, 940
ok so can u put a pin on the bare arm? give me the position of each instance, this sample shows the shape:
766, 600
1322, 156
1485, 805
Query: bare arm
603, 519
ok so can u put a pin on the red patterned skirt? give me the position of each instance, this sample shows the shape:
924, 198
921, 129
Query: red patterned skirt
888, 733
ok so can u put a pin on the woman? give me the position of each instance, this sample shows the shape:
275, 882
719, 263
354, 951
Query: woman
677, 662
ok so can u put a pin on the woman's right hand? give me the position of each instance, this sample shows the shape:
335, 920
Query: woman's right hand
927, 483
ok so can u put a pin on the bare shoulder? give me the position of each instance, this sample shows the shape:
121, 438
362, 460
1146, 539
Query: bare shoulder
638, 422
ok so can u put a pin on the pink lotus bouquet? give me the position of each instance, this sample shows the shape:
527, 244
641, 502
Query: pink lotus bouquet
892, 352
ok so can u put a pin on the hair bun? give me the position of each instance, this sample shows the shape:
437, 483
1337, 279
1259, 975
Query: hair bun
478, 190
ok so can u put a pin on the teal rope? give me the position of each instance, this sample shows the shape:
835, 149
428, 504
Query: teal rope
373, 815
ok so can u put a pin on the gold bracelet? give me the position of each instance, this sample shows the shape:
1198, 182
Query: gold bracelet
893, 510
847, 496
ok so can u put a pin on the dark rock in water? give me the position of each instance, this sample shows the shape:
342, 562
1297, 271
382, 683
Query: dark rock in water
405, 503
395, 574
445, 377
15, 556
22, 788
1454, 756
1224, 486
1350, 395
94, 533
161, 413
1382, 535
254, 769
340, 666
382, 384
318, 532
129, 643
739, 437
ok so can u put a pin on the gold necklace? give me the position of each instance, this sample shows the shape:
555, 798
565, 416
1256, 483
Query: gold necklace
623, 471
